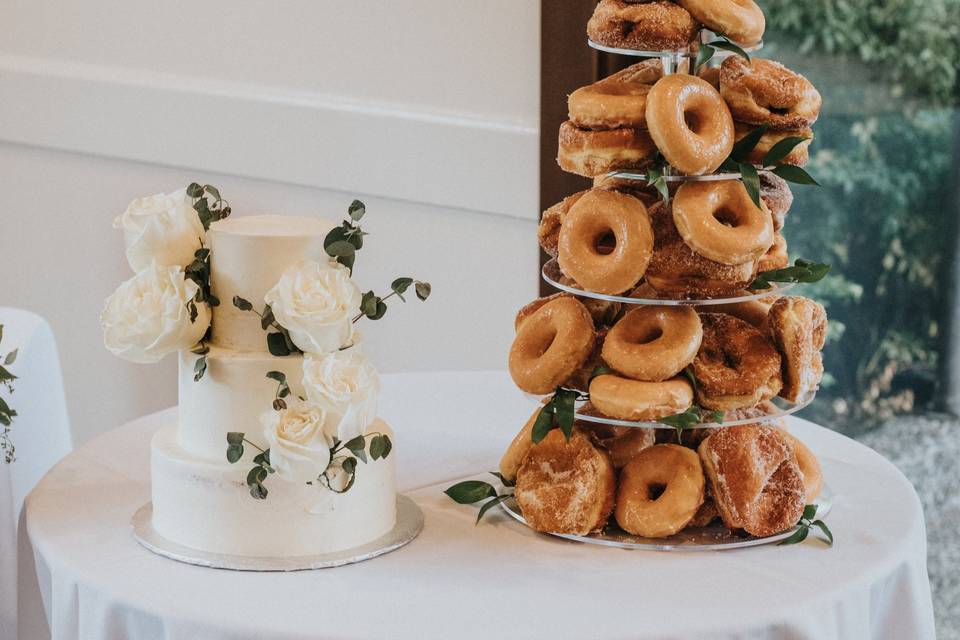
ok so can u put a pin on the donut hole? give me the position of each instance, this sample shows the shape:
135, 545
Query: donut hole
655, 490
605, 243
727, 217
648, 336
693, 121
543, 343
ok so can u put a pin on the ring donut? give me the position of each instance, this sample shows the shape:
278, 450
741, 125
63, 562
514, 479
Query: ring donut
753, 312
619, 100
797, 157
660, 491
690, 123
591, 153
622, 443
809, 467
776, 256
548, 233
798, 327
566, 486
602, 311
551, 345
625, 399
776, 194
653, 343
719, 221
519, 446
736, 366
590, 222
648, 26
740, 20
766, 92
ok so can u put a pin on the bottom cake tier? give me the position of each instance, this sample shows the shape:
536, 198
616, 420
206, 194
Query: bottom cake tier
207, 506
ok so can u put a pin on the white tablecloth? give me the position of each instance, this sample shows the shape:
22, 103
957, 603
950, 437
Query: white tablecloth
458, 580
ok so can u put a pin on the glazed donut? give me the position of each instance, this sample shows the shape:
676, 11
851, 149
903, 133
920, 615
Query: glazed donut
653, 343
648, 26
616, 101
660, 491
736, 366
766, 92
740, 20
798, 327
798, 156
602, 311
591, 153
517, 451
622, 443
689, 123
676, 271
719, 221
548, 233
753, 312
566, 486
809, 467
592, 220
776, 194
754, 479
625, 399
776, 255
551, 345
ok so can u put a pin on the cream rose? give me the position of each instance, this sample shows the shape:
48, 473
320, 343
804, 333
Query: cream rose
316, 303
148, 317
299, 441
163, 228
346, 385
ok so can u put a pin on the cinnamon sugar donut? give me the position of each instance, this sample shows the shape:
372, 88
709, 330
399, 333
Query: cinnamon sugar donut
548, 233
754, 479
591, 153
766, 92
653, 343
622, 443
592, 220
677, 271
798, 327
753, 312
776, 256
566, 486
647, 26
551, 345
660, 491
689, 123
809, 467
740, 20
706, 514
719, 221
619, 100
625, 399
797, 157
736, 366
776, 194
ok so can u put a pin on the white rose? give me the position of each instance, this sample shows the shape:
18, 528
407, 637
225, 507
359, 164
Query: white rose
147, 316
346, 385
298, 440
316, 303
164, 228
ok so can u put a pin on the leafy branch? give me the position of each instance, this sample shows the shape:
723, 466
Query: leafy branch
200, 366
739, 162
374, 307
199, 272
802, 270
471, 491
208, 211
708, 50
279, 342
343, 242
807, 520
261, 463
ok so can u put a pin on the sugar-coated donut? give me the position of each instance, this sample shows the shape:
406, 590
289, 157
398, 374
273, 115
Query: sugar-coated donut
766, 92
736, 366
776, 256
591, 153
677, 271
580, 379
660, 491
776, 194
519, 446
653, 343
797, 157
758, 413
690, 123
718, 220
647, 26
551, 345
594, 219
809, 467
619, 100
711, 75
622, 443
548, 233
798, 327
753, 312
740, 20
754, 478
566, 486
625, 399
706, 514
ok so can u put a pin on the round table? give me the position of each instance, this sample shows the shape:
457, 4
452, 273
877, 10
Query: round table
458, 580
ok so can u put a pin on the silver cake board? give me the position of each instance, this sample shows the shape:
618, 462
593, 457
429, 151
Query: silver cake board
408, 526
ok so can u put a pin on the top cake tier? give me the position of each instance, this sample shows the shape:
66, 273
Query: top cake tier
247, 257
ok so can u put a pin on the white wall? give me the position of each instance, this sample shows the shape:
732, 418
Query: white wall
425, 109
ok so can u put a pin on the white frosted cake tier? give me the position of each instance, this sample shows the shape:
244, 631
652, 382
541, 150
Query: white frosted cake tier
247, 257
206, 505
231, 396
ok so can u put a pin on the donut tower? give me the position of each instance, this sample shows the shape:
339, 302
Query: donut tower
666, 361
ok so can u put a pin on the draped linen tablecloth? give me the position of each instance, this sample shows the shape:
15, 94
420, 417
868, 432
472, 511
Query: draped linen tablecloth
457, 580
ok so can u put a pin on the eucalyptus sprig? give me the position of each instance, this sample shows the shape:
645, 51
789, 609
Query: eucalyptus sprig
261, 463
343, 242
374, 307
471, 491
808, 520
283, 389
208, 203
200, 366
7, 413
279, 342
772, 161
802, 270
199, 272
707, 50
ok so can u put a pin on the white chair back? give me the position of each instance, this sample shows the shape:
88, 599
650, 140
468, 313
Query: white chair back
40, 432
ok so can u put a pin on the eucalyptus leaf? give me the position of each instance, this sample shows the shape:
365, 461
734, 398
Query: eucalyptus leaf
355, 444
234, 453
11, 357
423, 290
356, 210
376, 447
368, 303
235, 437
279, 376
256, 474
258, 491
350, 466
242, 303
277, 344
400, 285
470, 491
212, 190
387, 445
341, 249
194, 190
6, 376
267, 318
